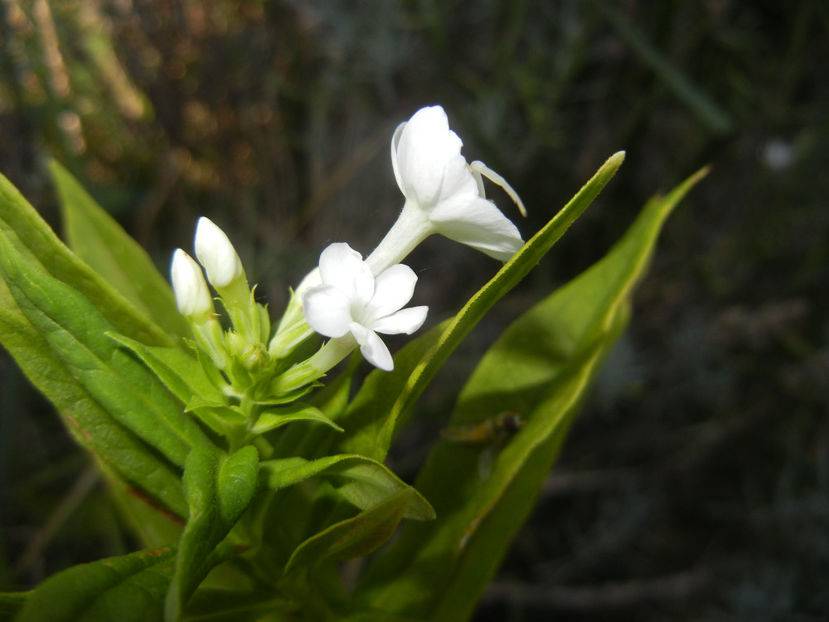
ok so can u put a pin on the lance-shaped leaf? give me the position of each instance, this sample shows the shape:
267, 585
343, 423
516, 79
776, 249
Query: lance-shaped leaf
362, 481
182, 374
103, 244
76, 333
222, 605
373, 417
152, 527
541, 366
276, 418
11, 603
130, 588
30, 234
354, 537
117, 449
218, 489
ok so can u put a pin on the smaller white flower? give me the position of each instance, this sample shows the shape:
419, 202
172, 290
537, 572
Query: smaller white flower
192, 295
352, 303
216, 253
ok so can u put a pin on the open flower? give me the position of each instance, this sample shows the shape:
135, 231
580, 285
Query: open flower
353, 304
444, 194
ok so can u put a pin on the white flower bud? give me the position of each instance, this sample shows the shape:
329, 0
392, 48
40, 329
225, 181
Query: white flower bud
192, 295
216, 254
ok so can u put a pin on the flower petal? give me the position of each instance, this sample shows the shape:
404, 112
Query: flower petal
459, 183
393, 288
425, 147
404, 321
327, 310
372, 347
479, 224
395, 141
343, 267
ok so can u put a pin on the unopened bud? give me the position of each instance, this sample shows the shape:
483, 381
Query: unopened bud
192, 295
216, 254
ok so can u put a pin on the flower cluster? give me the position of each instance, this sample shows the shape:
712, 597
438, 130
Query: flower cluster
349, 300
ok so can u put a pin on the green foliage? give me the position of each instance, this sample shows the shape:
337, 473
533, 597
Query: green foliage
76, 331
139, 402
95, 237
365, 484
218, 489
129, 588
541, 368
12, 603
23, 228
357, 536
273, 419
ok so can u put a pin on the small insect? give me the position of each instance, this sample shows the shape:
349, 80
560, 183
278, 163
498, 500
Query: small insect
490, 430
492, 434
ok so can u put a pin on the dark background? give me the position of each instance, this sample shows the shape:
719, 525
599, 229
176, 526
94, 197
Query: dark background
694, 484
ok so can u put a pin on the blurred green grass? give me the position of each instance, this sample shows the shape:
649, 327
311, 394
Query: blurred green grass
694, 486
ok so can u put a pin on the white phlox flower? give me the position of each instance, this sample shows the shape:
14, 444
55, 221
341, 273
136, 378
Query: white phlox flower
444, 194
352, 303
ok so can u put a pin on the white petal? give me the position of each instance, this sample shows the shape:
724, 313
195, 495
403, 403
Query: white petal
372, 347
479, 224
189, 287
458, 182
216, 253
343, 267
404, 321
425, 147
327, 310
393, 288
395, 141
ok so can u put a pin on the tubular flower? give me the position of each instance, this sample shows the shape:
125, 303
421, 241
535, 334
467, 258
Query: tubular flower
353, 305
192, 295
444, 194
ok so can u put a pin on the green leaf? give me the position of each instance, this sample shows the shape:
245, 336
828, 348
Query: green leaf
11, 603
130, 588
237, 484
100, 241
153, 527
272, 419
541, 366
116, 449
362, 481
373, 416
218, 489
220, 605
354, 537
32, 237
76, 333
181, 373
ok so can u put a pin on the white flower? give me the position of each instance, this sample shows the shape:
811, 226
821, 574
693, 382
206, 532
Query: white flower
443, 193
192, 295
216, 254
353, 303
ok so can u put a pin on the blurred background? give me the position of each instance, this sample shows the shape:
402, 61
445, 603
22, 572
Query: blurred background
695, 483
